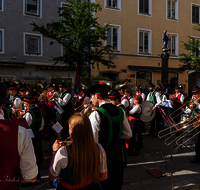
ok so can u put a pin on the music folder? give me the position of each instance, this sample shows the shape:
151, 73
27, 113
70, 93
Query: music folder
57, 127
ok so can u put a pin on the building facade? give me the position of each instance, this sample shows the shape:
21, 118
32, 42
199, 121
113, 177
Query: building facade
25, 55
136, 29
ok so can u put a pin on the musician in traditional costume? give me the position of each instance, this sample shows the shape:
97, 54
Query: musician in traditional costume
79, 97
109, 124
178, 101
130, 97
81, 164
35, 122
162, 96
124, 99
16, 153
140, 93
64, 100
51, 90
115, 99
23, 91
154, 97
135, 142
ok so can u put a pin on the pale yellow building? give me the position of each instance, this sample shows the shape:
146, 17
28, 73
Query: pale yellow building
136, 31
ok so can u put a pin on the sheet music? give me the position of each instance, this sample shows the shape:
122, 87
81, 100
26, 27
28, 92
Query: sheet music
57, 127
167, 104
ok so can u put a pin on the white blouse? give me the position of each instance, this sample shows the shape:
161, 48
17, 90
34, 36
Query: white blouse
135, 109
61, 161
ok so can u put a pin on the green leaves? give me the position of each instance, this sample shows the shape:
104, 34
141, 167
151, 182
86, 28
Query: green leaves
191, 59
78, 26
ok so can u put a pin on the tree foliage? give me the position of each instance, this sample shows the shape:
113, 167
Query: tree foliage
79, 32
191, 59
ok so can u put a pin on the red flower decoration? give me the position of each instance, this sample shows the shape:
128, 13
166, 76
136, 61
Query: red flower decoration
101, 82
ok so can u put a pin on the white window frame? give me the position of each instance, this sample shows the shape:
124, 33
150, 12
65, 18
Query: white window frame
149, 42
118, 37
2, 5
39, 15
176, 10
150, 9
40, 47
111, 8
2, 41
196, 5
177, 46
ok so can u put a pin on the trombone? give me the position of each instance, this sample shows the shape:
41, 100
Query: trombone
66, 142
192, 128
87, 101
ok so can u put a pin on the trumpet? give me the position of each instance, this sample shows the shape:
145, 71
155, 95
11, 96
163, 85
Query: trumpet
52, 96
44, 92
66, 142
82, 105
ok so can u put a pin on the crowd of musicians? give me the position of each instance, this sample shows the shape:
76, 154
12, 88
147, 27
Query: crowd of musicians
103, 124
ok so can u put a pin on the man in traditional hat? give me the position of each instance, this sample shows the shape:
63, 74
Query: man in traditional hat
64, 100
14, 98
154, 97
35, 122
109, 124
16, 153
50, 89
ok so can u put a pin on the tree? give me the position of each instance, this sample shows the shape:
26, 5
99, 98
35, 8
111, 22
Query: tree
191, 60
80, 34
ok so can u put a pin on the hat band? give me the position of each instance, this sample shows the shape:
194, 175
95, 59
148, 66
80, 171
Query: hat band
29, 100
23, 89
12, 88
195, 90
114, 96
62, 85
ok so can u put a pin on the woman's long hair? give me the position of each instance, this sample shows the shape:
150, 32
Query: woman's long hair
84, 150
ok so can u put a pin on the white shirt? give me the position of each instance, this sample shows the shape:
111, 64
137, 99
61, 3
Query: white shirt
164, 98
189, 111
135, 109
142, 95
61, 161
96, 120
158, 99
181, 98
29, 120
65, 100
2, 114
125, 102
131, 100
27, 163
16, 102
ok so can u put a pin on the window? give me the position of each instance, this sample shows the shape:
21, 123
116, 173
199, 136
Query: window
144, 7
144, 41
173, 44
1, 41
196, 44
113, 36
195, 13
113, 4
1, 5
63, 50
33, 44
172, 9
172, 80
33, 7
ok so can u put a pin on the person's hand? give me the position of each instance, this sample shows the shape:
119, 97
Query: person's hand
21, 112
55, 95
14, 110
56, 145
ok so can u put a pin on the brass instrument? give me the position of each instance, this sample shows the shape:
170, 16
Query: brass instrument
66, 142
44, 92
189, 130
49, 99
82, 105
16, 114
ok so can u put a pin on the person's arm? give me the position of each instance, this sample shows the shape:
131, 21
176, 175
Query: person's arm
126, 130
28, 118
136, 109
103, 171
125, 102
164, 98
158, 100
182, 98
147, 97
59, 160
95, 123
65, 100
143, 96
27, 164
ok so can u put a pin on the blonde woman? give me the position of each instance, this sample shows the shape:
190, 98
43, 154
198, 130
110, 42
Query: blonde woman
82, 164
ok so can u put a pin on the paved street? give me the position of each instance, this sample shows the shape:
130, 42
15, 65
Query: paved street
154, 155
